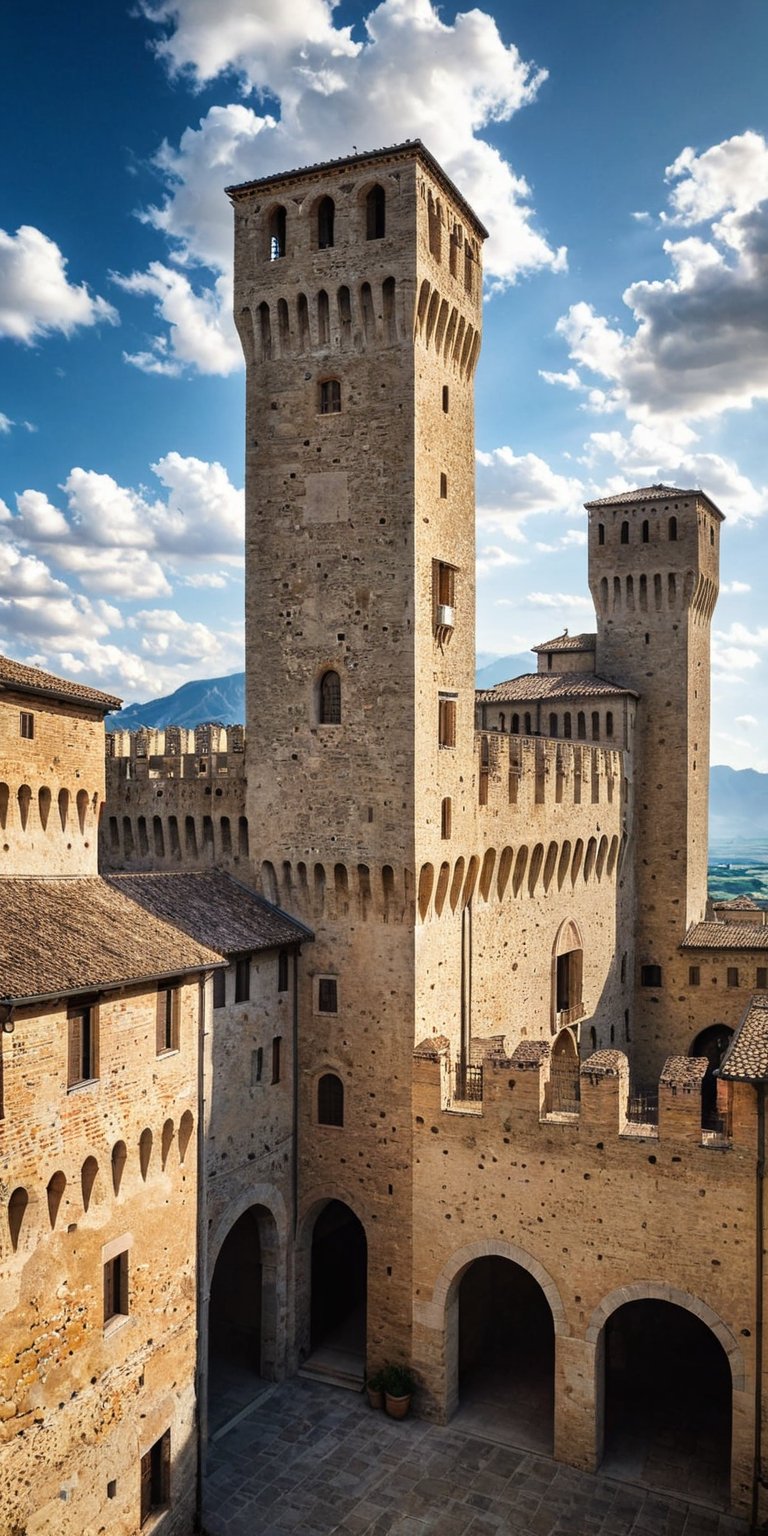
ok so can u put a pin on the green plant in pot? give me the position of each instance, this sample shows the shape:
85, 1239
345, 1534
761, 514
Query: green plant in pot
399, 1387
374, 1386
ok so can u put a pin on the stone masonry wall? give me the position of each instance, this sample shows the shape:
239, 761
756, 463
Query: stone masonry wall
109, 1166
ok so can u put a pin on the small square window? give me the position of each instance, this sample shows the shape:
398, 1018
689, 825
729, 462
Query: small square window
650, 975
243, 979
219, 988
694, 976
327, 995
732, 976
116, 1286
82, 1044
167, 1017
156, 1477
26, 725
282, 971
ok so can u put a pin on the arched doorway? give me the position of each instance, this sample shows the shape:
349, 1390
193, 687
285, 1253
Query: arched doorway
506, 1355
241, 1316
338, 1294
668, 1389
712, 1043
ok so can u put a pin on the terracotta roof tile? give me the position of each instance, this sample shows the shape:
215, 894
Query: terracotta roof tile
746, 1059
726, 936
566, 642
15, 675
552, 685
529, 1054
61, 936
212, 908
604, 1064
684, 1072
650, 493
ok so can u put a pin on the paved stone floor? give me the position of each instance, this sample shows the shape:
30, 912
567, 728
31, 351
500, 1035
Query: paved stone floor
317, 1461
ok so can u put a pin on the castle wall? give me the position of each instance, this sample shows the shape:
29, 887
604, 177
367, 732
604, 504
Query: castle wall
588, 1205
109, 1166
52, 789
175, 812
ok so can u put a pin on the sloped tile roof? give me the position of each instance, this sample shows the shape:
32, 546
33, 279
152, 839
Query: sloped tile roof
60, 936
726, 936
551, 685
15, 675
746, 1059
650, 493
212, 908
566, 642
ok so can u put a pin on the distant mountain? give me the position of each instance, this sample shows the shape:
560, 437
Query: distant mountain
214, 698
738, 805
501, 668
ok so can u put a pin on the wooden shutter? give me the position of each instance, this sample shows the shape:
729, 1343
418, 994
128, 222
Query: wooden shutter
175, 1017
75, 1049
109, 1290
165, 1472
162, 995
146, 1486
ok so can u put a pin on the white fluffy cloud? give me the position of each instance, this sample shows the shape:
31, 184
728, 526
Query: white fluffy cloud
651, 452
412, 76
564, 601
512, 488
36, 296
699, 345
66, 571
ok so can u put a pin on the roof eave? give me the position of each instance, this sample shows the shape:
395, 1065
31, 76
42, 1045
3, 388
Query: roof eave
28, 1001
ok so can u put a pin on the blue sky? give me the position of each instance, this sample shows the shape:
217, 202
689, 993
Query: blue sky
618, 155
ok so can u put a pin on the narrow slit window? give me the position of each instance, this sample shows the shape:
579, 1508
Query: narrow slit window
325, 222
116, 1286
375, 214
282, 971
330, 699
26, 725
167, 1017
243, 979
277, 232
330, 397
446, 723
82, 1034
276, 1049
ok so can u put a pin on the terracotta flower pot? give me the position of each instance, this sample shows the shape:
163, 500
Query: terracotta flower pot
397, 1407
375, 1397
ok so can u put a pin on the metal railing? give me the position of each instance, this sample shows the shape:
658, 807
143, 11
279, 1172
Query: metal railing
643, 1105
467, 1082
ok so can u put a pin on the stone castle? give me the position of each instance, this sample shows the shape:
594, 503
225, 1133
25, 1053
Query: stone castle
397, 1027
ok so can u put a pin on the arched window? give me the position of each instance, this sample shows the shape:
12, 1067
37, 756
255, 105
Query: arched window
609, 722
325, 214
673, 530
375, 214
553, 725
581, 725
330, 1100
277, 233
515, 725
567, 724
527, 725
601, 533
595, 725
330, 699
646, 532
625, 533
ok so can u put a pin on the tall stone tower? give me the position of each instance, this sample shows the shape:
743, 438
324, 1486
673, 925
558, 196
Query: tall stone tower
358, 302
653, 574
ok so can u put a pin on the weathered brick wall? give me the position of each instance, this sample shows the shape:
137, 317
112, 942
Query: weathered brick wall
590, 1212
80, 1402
52, 789
186, 812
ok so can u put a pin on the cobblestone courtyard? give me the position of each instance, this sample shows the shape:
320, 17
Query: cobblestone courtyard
316, 1461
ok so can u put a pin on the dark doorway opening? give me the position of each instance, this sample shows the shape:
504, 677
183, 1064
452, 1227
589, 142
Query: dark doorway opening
238, 1317
667, 1402
506, 1355
713, 1044
339, 1281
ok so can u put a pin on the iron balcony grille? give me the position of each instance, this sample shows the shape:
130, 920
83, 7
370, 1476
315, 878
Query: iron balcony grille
468, 1082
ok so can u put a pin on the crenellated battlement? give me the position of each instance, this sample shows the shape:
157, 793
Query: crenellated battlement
530, 772
526, 1090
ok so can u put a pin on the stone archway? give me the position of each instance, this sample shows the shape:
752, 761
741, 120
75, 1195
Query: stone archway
443, 1313
506, 1355
242, 1325
666, 1372
712, 1044
332, 1306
